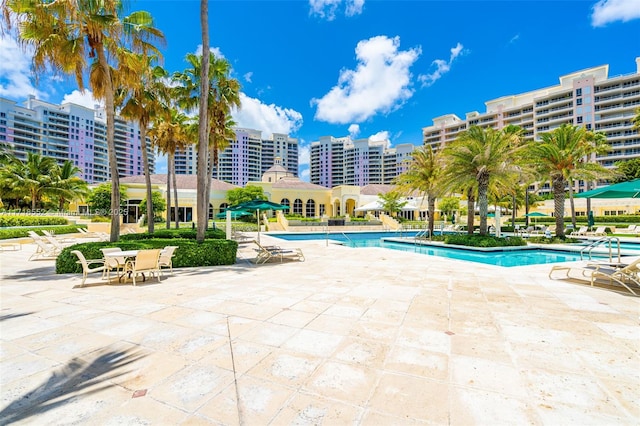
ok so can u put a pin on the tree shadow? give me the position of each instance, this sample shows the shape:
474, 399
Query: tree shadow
10, 316
41, 274
65, 383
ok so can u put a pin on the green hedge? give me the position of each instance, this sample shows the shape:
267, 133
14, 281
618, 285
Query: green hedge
483, 241
10, 220
185, 233
188, 254
23, 232
631, 218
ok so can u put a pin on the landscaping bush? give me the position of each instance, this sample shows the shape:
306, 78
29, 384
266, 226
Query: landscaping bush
23, 232
10, 220
483, 241
189, 253
552, 240
186, 233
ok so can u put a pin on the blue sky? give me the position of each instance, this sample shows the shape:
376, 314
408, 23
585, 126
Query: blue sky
372, 68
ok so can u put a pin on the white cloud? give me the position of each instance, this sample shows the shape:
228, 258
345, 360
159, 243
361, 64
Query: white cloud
15, 72
305, 175
247, 76
268, 118
215, 50
381, 83
354, 131
514, 38
304, 154
607, 11
442, 67
354, 7
326, 9
85, 99
381, 136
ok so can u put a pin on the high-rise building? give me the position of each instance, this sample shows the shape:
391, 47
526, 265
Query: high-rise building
247, 157
588, 98
360, 162
71, 132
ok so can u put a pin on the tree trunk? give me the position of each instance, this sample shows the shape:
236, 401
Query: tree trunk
111, 144
203, 130
175, 188
471, 199
572, 206
558, 184
431, 206
483, 202
147, 176
168, 191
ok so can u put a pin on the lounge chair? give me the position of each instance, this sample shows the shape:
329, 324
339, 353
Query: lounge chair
579, 232
86, 265
166, 257
624, 274
55, 243
44, 250
241, 238
267, 253
146, 261
631, 229
599, 232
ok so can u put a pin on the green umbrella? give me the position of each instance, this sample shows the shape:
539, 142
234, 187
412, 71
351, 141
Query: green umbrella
630, 189
590, 219
235, 214
535, 215
257, 205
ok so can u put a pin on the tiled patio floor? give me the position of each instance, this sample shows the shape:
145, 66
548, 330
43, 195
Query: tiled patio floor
350, 336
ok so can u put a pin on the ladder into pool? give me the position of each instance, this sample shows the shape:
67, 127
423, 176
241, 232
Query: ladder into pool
600, 242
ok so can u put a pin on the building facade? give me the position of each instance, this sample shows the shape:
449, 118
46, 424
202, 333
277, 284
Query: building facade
247, 157
360, 162
588, 98
71, 132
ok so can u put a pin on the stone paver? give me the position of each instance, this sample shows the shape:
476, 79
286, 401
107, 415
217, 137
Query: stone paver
350, 336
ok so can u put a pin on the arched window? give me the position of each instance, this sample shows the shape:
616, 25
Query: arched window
310, 209
285, 202
297, 206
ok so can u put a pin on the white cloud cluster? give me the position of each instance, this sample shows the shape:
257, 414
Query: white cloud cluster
607, 11
85, 99
442, 67
15, 72
215, 50
381, 136
327, 9
380, 83
269, 118
354, 131
248, 76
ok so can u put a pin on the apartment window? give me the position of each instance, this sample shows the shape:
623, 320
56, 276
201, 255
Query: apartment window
588, 126
579, 101
578, 92
579, 119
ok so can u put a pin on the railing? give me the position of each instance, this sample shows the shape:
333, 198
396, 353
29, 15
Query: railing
599, 242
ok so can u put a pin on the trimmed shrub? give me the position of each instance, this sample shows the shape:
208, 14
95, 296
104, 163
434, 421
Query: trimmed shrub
23, 232
188, 254
10, 220
483, 241
185, 233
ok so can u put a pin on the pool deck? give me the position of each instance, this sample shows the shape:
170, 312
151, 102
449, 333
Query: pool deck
350, 336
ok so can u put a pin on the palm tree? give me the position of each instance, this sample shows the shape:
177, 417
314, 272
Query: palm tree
64, 34
223, 93
564, 155
423, 175
204, 177
169, 134
489, 156
32, 179
143, 102
67, 185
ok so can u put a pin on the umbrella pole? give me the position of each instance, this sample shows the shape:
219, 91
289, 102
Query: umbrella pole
258, 211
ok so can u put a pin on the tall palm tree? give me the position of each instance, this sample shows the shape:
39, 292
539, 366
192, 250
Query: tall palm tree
488, 155
143, 101
67, 185
65, 34
169, 134
204, 177
563, 155
423, 175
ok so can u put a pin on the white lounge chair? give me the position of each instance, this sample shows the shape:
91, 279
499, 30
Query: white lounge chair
579, 232
631, 229
624, 274
600, 231
267, 253
44, 250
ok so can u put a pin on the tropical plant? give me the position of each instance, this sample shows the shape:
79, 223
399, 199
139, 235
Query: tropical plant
159, 206
392, 202
31, 179
564, 155
65, 34
99, 199
67, 185
449, 205
627, 170
248, 193
423, 175
487, 156
204, 177
143, 99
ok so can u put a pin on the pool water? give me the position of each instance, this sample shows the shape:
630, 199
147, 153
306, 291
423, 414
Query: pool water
499, 258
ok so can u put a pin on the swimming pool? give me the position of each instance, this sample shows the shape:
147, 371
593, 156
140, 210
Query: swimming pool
507, 258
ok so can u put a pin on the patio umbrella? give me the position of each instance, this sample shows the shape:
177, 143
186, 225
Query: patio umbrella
234, 214
536, 215
630, 189
257, 205
590, 219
